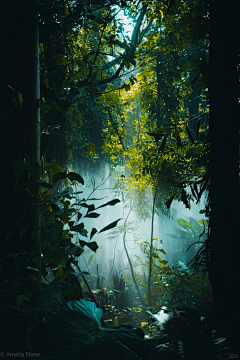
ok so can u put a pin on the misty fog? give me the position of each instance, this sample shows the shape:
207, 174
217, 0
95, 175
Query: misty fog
110, 257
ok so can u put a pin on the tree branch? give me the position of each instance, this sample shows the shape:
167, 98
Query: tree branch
134, 43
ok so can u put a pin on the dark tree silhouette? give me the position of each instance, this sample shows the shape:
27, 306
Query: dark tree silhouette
224, 133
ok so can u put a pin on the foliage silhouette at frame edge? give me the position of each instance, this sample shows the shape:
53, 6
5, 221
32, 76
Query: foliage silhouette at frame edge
57, 250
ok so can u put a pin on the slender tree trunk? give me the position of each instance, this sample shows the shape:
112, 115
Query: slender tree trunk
224, 193
151, 249
158, 70
129, 260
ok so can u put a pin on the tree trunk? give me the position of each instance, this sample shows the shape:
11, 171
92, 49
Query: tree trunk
224, 193
20, 70
158, 70
129, 260
20, 136
151, 247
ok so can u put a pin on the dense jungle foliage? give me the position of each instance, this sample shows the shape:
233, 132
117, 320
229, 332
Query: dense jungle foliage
158, 106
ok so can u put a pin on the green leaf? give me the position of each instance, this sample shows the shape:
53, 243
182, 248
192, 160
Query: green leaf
176, 135
45, 81
110, 203
80, 229
77, 227
63, 259
162, 147
168, 203
50, 105
46, 165
90, 259
58, 282
31, 268
19, 300
83, 204
163, 262
127, 87
197, 128
90, 208
83, 232
92, 245
92, 215
203, 222
74, 176
59, 176
189, 134
193, 191
204, 182
53, 168
59, 272
117, 42
56, 106
78, 319
93, 232
32, 166
202, 128
110, 226
162, 129
49, 218
185, 224
128, 66
117, 291
45, 104
75, 250
79, 251
16, 97
60, 59
162, 251
65, 214
156, 136
133, 62
184, 198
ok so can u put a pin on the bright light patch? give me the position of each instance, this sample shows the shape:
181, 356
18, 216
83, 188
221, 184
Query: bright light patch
127, 23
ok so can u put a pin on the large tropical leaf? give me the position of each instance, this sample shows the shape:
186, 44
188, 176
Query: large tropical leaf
75, 332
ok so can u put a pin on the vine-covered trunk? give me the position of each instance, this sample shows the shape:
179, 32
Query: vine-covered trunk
224, 193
